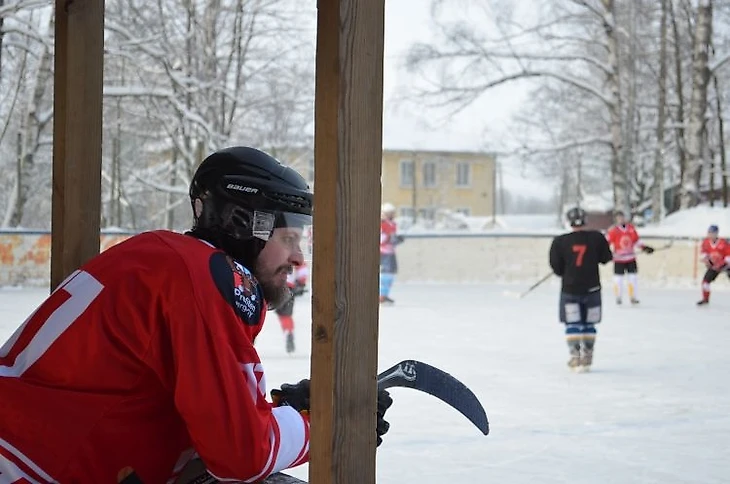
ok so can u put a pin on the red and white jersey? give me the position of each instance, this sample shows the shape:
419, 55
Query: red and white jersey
299, 275
624, 241
388, 233
717, 253
140, 359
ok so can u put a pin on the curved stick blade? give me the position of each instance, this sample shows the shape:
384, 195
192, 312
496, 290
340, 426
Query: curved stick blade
429, 379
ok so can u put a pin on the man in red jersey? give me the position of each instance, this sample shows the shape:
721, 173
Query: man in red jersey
144, 357
624, 241
389, 238
715, 253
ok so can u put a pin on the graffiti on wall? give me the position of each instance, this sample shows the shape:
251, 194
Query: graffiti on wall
25, 258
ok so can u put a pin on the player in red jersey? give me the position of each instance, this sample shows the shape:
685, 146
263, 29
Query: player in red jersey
624, 240
389, 239
144, 357
296, 280
715, 253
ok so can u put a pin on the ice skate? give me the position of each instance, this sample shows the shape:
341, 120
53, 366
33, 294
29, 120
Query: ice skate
290, 342
386, 300
574, 363
634, 300
585, 363
618, 301
703, 302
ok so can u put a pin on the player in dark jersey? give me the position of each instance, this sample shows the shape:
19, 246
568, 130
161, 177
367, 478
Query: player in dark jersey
575, 257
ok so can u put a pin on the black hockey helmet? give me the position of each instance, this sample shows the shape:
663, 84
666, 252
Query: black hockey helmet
576, 217
246, 194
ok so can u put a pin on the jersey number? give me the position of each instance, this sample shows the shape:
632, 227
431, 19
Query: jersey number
42, 328
580, 251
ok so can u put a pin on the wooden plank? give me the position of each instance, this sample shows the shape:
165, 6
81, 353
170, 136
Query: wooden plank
78, 78
348, 157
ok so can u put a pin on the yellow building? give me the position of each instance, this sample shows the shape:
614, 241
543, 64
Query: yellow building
424, 182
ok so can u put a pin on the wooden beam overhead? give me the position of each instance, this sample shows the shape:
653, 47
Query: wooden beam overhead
348, 157
78, 84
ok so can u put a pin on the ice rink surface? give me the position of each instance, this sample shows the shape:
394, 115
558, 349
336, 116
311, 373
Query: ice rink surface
655, 408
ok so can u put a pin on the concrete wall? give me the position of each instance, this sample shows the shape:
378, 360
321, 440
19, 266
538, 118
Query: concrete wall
25, 259
524, 259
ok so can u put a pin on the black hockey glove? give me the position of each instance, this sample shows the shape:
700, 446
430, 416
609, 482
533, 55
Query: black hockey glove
384, 403
294, 396
297, 397
648, 249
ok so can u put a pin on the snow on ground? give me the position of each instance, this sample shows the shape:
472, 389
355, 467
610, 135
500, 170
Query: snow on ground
655, 409
692, 222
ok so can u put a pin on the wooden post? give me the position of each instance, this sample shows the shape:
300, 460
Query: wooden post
347, 196
78, 77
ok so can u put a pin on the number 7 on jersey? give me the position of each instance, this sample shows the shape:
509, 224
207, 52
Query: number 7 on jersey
580, 250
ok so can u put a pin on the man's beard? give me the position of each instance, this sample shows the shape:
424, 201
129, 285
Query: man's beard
274, 295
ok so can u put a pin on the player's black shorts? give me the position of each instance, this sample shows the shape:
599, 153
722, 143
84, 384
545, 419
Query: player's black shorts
625, 267
580, 308
712, 274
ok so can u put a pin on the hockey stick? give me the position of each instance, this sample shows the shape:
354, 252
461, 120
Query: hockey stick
534, 286
530, 289
665, 246
406, 374
429, 379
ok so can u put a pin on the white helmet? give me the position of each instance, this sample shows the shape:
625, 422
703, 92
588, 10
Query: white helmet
388, 208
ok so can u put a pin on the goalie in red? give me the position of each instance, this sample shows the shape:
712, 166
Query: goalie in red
715, 253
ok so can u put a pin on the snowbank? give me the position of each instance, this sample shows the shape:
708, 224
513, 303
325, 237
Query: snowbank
692, 222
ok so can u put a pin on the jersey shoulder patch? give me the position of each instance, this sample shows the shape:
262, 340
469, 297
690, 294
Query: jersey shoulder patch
238, 286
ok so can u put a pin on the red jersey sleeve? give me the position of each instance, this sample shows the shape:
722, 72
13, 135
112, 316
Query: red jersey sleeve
220, 388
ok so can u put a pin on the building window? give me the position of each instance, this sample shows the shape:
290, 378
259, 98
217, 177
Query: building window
464, 211
427, 213
407, 173
429, 174
407, 212
463, 174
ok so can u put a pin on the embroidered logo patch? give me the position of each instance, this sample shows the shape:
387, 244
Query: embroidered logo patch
238, 286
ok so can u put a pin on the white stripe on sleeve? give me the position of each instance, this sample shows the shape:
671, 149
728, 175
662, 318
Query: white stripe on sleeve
293, 436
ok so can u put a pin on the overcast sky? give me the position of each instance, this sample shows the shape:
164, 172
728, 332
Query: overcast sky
478, 128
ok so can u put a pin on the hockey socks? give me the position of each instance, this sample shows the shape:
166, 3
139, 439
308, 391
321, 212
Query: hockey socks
386, 282
633, 281
587, 342
705, 293
573, 338
581, 339
287, 323
618, 287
